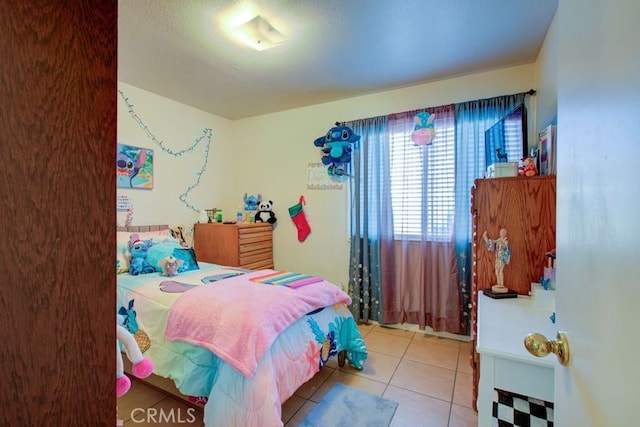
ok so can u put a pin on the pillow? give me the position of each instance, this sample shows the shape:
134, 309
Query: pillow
123, 257
158, 252
162, 250
188, 256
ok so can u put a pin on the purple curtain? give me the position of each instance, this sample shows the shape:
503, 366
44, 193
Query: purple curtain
419, 273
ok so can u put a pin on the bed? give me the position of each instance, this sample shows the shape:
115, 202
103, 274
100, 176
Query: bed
242, 341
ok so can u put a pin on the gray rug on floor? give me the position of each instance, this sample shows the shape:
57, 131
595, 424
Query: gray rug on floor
348, 407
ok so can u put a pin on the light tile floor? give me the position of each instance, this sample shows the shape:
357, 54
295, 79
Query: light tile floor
429, 377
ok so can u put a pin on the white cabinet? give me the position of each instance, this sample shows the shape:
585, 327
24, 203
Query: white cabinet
504, 361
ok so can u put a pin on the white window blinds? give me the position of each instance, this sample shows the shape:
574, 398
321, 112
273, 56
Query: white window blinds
422, 179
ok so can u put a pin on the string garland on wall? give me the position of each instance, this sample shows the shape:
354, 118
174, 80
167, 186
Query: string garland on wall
207, 135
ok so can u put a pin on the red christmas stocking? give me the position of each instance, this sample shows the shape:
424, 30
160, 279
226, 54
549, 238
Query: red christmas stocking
296, 212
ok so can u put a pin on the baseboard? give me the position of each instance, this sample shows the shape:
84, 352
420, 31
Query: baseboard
426, 331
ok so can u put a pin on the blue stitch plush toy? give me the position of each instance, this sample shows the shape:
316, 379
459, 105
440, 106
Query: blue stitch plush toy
336, 148
251, 202
139, 250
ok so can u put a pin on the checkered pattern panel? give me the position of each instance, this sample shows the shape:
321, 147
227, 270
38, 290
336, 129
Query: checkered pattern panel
511, 409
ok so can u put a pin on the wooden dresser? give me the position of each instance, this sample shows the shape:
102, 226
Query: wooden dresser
526, 208
237, 245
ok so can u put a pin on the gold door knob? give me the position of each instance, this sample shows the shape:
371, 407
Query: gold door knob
540, 346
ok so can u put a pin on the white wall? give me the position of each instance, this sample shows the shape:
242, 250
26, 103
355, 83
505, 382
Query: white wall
546, 71
177, 126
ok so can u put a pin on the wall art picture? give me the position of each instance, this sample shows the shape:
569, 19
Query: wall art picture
319, 179
134, 167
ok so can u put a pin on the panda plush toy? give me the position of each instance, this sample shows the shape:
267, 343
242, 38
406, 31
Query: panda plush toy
265, 214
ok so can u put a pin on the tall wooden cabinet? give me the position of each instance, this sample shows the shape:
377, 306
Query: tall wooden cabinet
526, 208
236, 245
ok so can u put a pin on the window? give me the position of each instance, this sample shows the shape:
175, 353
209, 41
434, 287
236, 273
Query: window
509, 134
422, 180
515, 136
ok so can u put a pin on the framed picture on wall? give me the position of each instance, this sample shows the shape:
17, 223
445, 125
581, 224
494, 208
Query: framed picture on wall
319, 179
134, 167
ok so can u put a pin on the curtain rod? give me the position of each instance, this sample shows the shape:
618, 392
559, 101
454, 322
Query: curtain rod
530, 92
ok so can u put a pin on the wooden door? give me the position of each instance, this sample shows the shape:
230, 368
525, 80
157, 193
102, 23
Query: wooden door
57, 145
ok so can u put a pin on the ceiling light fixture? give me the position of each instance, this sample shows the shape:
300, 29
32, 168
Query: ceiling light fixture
258, 33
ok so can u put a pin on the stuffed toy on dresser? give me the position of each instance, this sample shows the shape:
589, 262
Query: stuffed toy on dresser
265, 214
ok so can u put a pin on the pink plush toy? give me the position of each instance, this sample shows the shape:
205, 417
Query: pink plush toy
142, 366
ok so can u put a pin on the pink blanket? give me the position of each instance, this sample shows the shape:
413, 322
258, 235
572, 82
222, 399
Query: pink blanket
238, 319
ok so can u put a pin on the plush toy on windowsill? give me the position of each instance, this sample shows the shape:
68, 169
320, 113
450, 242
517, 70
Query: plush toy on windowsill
142, 367
170, 265
265, 214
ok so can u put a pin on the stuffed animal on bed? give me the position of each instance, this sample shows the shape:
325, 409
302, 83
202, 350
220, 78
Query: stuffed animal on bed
142, 367
139, 250
170, 265
178, 234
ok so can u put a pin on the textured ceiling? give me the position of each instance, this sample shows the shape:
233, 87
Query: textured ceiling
336, 49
